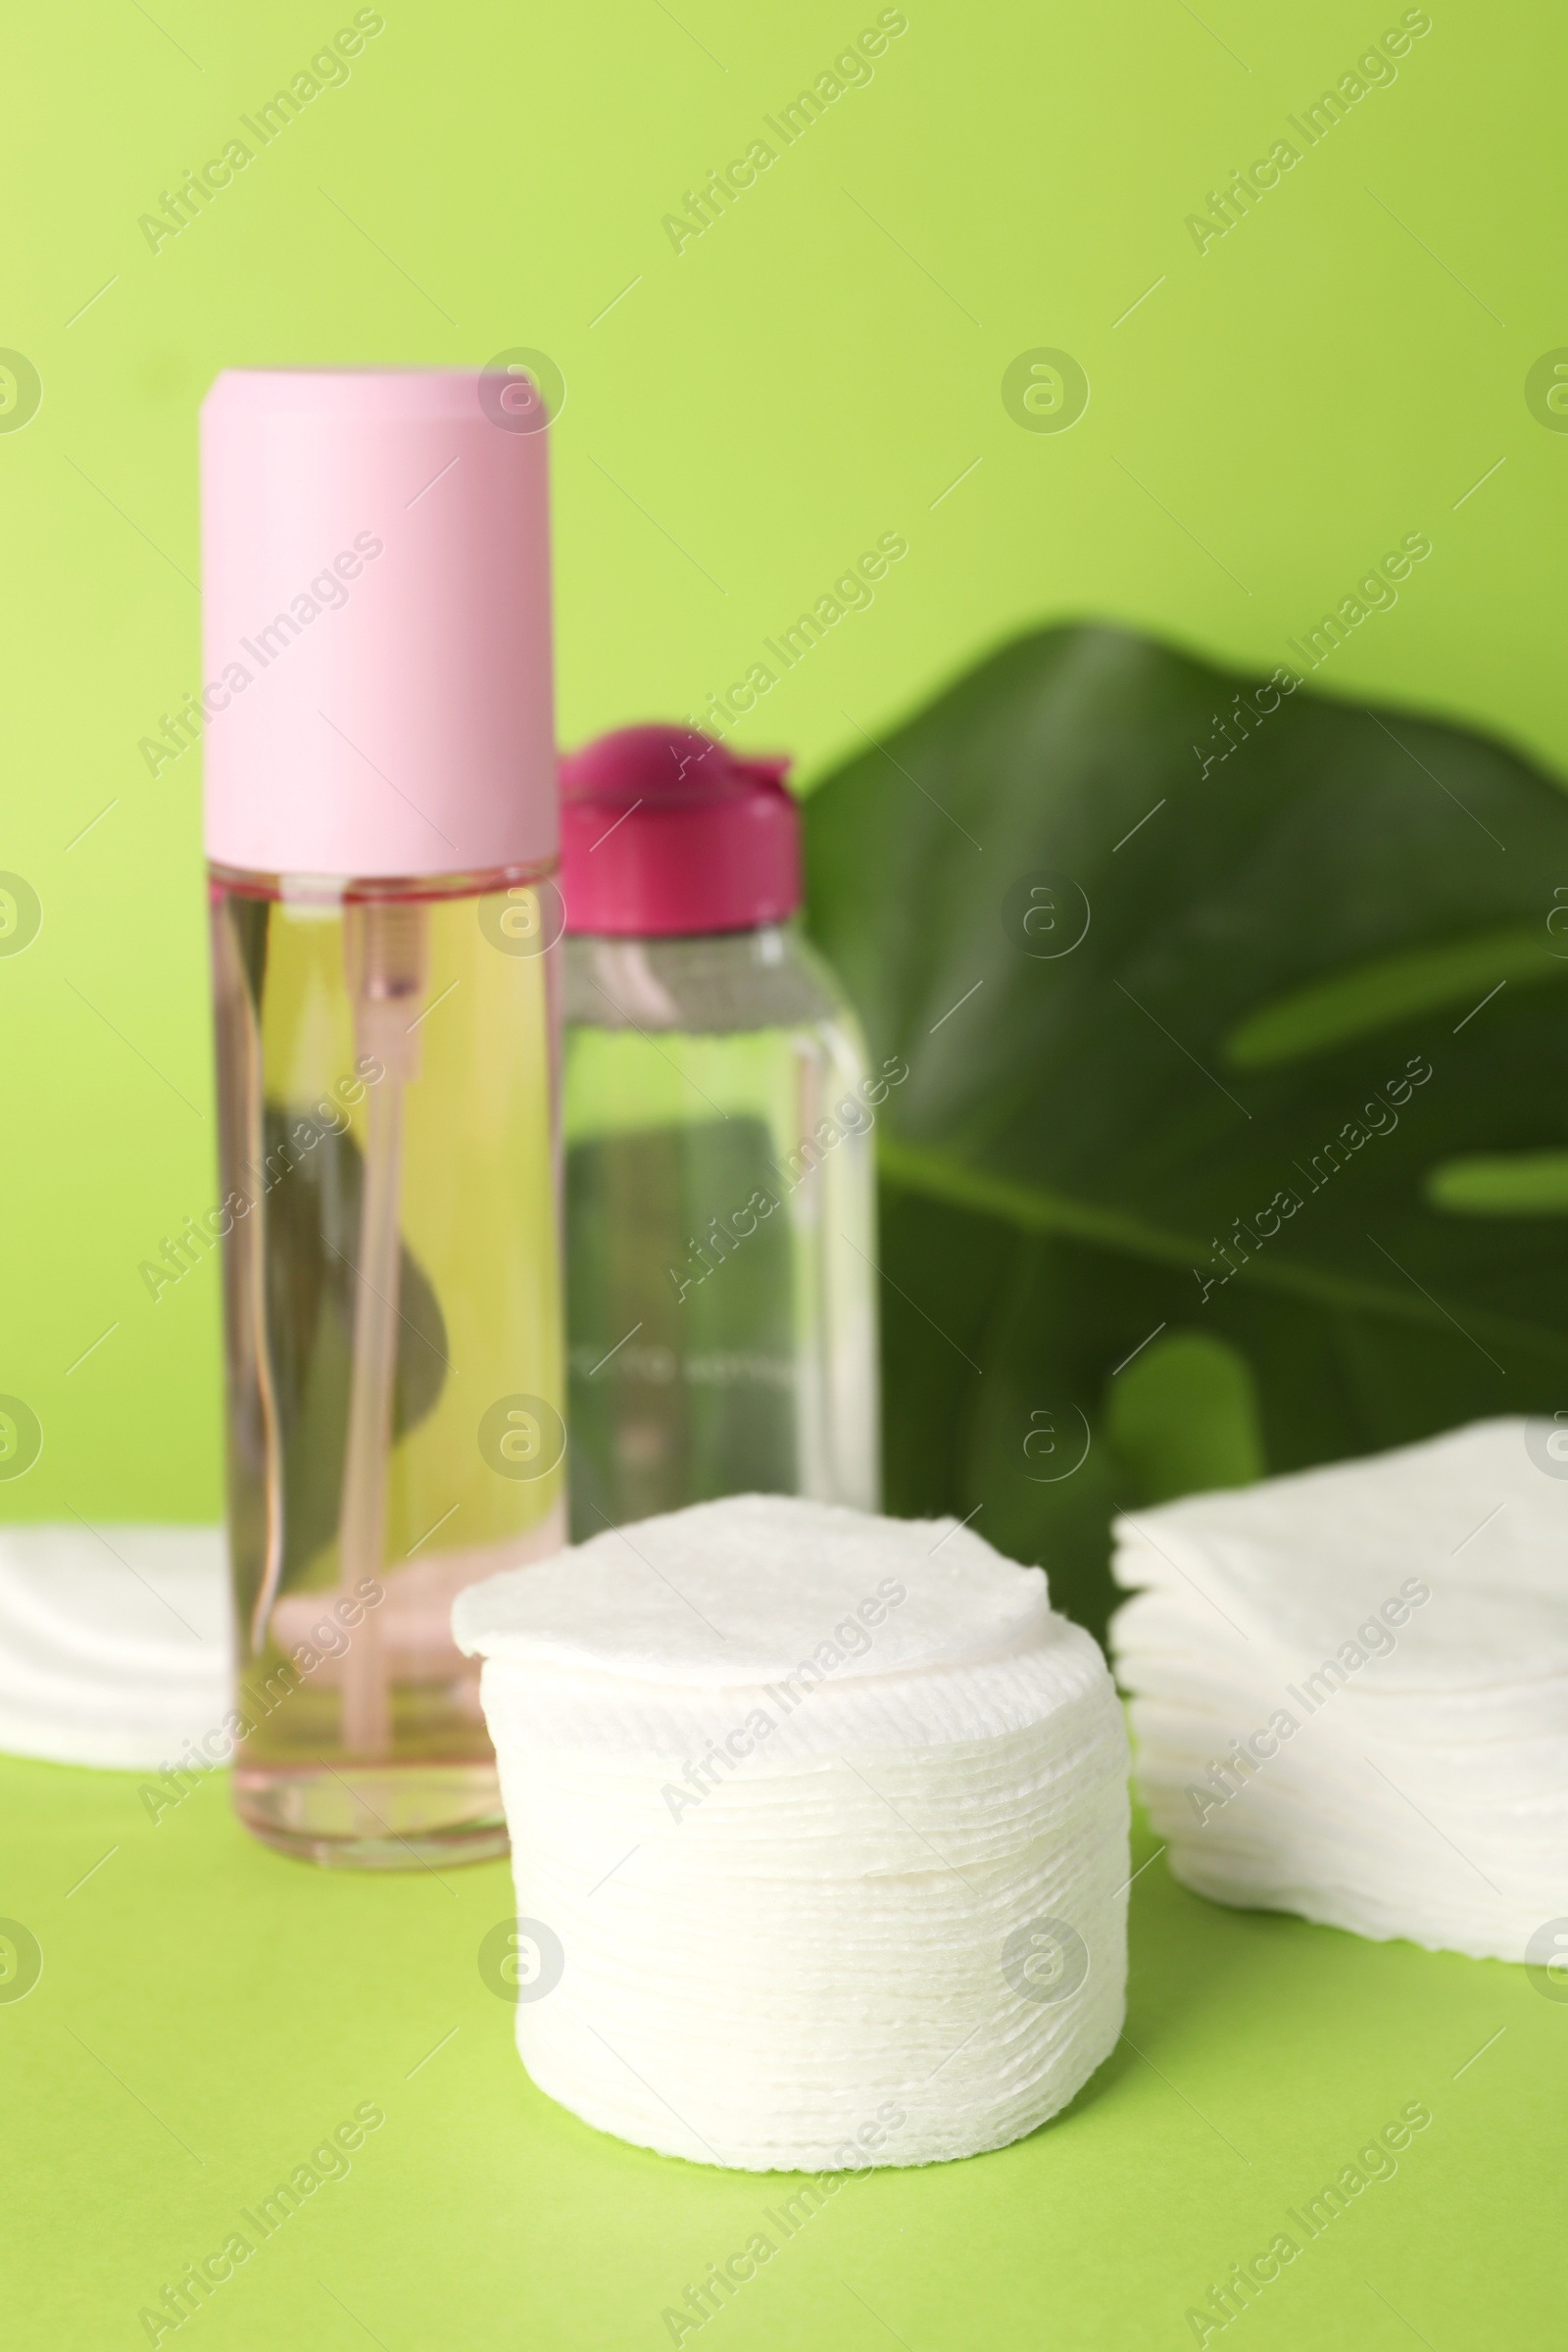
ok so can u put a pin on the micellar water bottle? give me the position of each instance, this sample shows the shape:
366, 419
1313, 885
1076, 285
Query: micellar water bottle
718, 1115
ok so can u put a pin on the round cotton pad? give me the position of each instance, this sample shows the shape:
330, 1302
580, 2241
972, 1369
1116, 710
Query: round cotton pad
114, 1644
819, 1835
1350, 1689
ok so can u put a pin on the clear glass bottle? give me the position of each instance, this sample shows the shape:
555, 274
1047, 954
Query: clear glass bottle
380, 830
718, 1118
392, 1338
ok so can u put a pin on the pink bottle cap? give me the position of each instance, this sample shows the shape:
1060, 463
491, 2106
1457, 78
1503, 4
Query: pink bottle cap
376, 645
662, 830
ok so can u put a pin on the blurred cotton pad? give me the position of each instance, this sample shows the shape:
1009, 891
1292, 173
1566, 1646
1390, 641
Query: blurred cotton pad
819, 1835
114, 1643
1351, 1689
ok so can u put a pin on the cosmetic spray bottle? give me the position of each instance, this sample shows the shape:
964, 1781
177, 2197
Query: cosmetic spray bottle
720, 1155
380, 834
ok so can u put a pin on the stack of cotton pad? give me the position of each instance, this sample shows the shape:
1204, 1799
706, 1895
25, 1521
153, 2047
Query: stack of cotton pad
115, 1646
820, 1833
1351, 1689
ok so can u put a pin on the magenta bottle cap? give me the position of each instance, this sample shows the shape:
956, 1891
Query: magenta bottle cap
664, 831
375, 652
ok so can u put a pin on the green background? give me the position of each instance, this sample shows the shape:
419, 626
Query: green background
741, 419
754, 413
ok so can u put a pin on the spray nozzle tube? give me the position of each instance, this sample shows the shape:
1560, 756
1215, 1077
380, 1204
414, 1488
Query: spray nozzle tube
385, 951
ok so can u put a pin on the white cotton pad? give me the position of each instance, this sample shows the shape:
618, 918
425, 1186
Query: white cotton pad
1350, 1689
114, 1643
819, 1835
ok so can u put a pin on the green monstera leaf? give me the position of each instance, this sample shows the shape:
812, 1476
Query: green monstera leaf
1236, 1119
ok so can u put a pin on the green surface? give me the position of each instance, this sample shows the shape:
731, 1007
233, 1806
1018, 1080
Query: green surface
207, 2013
819, 368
